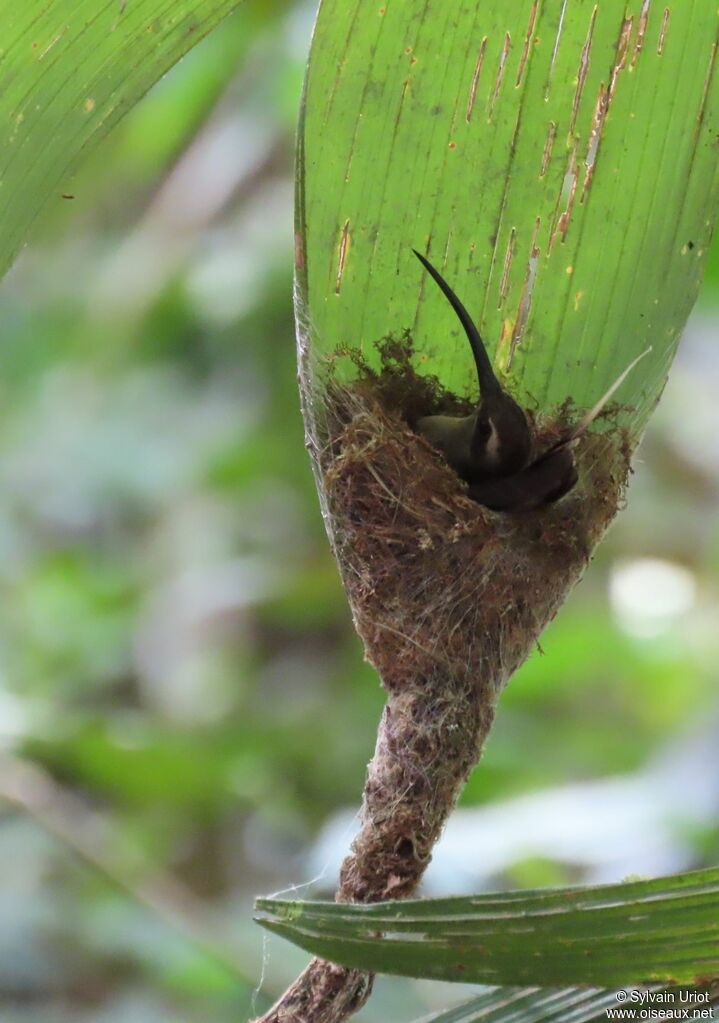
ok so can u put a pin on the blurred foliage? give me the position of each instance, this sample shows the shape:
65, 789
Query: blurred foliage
175, 648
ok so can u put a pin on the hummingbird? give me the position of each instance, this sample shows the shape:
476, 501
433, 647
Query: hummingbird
491, 448
493, 440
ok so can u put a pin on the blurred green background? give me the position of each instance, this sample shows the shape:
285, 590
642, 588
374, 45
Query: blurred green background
185, 715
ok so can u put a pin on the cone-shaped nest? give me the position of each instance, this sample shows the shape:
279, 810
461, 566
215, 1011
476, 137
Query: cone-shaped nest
436, 582
448, 596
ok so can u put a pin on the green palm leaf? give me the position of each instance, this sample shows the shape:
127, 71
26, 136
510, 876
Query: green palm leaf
558, 160
572, 1005
69, 70
665, 929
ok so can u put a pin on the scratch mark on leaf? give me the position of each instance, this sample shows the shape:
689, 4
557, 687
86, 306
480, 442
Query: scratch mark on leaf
495, 243
508, 257
663, 31
600, 112
525, 299
344, 249
707, 87
566, 196
500, 73
405, 87
52, 43
604, 102
475, 79
583, 71
495, 235
620, 61
527, 42
548, 147
641, 30
555, 51
502, 358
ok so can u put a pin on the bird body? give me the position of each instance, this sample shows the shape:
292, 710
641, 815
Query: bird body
544, 481
452, 435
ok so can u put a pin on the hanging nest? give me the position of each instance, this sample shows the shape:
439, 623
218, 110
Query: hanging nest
448, 597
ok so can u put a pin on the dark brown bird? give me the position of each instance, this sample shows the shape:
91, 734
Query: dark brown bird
491, 447
495, 439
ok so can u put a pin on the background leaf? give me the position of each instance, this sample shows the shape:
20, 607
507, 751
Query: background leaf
665, 929
69, 70
557, 161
